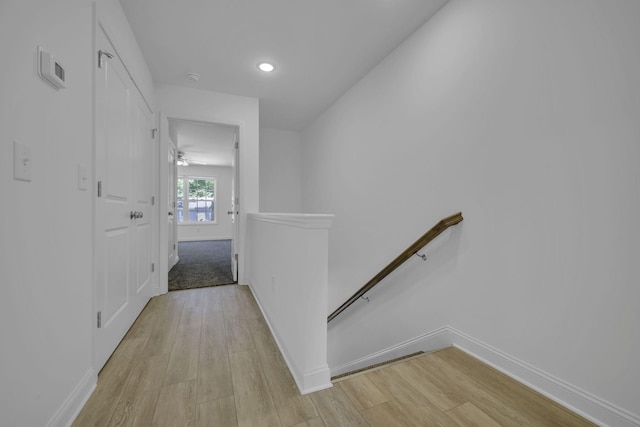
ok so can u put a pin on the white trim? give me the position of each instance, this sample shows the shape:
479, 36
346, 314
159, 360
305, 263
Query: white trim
73, 404
579, 401
434, 340
295, 219
307, 381
316, 380
202, 239
173, 260
569, 396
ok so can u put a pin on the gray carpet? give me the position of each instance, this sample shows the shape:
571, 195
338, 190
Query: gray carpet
202, 264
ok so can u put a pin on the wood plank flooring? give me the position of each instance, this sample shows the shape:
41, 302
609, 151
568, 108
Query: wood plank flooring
205, 357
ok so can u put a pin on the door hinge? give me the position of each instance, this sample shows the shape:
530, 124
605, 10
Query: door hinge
153, 200
174, 246
153, 133
153, 267
100, 53
236, 145
99, 319
99, 188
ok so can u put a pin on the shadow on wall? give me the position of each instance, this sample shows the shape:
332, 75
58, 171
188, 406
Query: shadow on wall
394, 301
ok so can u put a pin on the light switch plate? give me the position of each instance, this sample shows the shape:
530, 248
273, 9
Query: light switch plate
21, 162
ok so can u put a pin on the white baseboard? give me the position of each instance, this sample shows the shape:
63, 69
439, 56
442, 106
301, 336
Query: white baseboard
173, 260
579, 401
73, 404
434, 340
315, 380
201, 238
307, 381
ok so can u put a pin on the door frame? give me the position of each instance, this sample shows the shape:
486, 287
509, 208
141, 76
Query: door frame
235, 201
172, 232
163, 191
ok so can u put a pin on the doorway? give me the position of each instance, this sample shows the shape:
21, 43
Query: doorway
202, 264
203, 198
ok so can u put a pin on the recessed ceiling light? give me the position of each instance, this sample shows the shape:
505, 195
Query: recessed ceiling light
267, 67
194, 77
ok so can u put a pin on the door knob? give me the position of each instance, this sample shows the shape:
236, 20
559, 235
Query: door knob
229, 212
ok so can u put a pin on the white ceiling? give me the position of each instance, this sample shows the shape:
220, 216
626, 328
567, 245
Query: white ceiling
204, 143
320, 47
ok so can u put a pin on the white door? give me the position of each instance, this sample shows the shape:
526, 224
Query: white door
141, 151
235, 210
171, 206
122, 208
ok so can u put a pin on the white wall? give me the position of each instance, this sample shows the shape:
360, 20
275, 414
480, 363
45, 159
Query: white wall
192, 104
46, 308
222, 228
524, 116
287, 274
280, 171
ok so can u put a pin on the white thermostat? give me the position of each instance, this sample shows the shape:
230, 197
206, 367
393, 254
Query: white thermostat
50, 69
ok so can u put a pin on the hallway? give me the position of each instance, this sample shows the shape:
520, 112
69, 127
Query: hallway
205, 357
195, 357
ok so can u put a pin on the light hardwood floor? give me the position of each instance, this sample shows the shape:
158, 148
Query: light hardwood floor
205, 357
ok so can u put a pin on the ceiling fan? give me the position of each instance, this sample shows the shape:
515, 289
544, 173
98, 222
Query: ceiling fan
183, 161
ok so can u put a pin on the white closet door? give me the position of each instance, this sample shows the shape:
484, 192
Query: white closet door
123, 209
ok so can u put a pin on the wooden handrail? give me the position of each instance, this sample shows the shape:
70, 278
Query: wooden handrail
442, 225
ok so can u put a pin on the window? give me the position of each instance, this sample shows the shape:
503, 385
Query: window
196, 199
